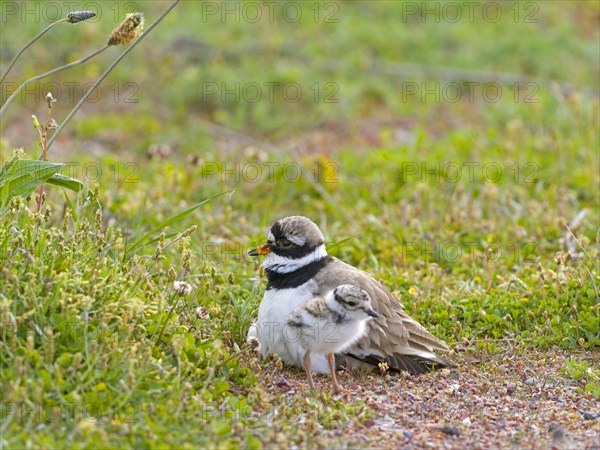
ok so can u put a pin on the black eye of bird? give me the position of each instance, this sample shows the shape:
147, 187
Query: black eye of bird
284, 243
351, 303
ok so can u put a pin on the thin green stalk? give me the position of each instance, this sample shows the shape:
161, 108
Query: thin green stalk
169, 314
36, 37
110, 68
47, 74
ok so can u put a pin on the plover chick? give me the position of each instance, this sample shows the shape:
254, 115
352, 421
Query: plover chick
330, 324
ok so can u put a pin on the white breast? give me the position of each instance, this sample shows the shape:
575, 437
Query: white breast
273, 332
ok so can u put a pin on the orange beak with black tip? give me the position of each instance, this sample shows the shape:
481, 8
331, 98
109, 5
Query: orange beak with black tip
262, 250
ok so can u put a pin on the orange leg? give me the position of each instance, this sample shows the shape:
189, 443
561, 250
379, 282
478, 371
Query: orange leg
307, 368
331, 360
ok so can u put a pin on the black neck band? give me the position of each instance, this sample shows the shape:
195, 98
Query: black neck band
290, 280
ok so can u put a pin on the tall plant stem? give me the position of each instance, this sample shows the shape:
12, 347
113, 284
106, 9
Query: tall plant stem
47, 74
105, 74
35, 38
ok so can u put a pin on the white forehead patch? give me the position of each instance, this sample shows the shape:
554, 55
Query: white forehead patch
270, 237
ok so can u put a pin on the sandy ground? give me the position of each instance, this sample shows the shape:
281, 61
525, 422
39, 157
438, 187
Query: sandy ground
517, 398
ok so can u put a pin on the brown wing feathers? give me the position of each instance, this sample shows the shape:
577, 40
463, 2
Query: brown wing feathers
405, 343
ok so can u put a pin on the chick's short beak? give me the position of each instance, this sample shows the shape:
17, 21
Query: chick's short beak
372, 313
262, 250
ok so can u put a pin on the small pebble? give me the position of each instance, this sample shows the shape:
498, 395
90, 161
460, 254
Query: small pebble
557, 432
511, 388
588, 415
530, 381
408, 434
449, 429
283, 383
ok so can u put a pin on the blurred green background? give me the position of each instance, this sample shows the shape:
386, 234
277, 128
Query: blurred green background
514, 83
372, 91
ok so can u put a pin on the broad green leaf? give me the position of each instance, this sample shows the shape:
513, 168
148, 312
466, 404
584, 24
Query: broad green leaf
5, 171
69, 183
25, 176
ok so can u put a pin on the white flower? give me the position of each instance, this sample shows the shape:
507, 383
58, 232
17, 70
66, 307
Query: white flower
182, 288
202, 313
254, 343
383, 367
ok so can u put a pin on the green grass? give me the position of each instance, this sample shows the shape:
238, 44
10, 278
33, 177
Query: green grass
584, 372
100, 351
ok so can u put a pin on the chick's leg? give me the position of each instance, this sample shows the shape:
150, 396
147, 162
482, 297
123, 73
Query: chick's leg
331, 359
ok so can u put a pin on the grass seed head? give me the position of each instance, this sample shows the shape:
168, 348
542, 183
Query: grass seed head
128, 30
80, 16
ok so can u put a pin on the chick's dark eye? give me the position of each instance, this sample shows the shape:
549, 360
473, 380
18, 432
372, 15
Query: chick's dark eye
351, 303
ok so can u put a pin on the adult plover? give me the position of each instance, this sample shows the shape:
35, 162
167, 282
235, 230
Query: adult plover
298, 269
331, 324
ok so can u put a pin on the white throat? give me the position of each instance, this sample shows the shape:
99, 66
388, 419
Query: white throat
281, 264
